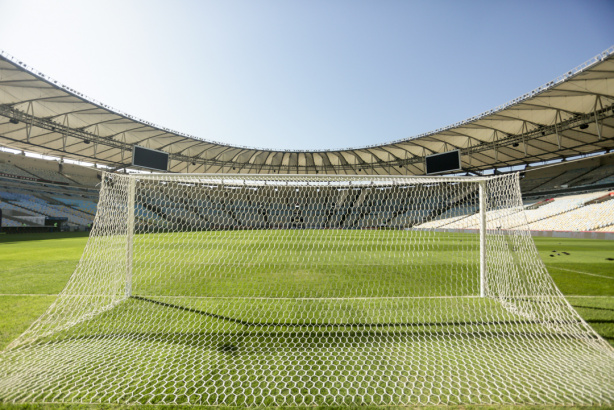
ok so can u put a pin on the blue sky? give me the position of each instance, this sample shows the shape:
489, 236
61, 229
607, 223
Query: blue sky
305, 74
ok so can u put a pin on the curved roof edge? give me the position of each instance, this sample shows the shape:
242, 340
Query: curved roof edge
580, 68
589, 63
569, 116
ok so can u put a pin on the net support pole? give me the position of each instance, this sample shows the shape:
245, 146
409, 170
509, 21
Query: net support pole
130, 234
483, 238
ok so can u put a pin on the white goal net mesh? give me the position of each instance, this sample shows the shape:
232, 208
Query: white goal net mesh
281, 290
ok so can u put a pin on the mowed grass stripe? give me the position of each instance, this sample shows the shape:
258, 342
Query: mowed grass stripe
54, 256
599, 312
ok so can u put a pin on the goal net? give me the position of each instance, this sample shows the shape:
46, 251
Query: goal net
307, 290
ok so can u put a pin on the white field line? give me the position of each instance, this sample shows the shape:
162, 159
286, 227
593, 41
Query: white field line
263, 298
589, 296
583, 273
230, 297
306, 298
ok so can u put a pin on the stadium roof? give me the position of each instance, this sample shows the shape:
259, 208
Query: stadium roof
569, 116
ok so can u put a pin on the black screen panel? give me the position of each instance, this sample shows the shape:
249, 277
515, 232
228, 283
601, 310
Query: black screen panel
149, 158
448, 161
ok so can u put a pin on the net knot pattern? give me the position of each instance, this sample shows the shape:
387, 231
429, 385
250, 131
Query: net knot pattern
304, 290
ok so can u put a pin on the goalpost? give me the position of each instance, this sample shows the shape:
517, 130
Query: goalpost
276, 290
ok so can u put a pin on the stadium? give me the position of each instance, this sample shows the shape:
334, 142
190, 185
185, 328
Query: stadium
204, 273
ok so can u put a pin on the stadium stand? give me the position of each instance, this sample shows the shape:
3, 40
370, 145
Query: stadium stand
7, 222
86, 206
533, 180
609, 179
16, 216
20, 166
574, 196
84, 180
33, 196
557, 197
581, 173
559, 206
600, 174
14, 171
567, 213
49, 175
563, 180
29, 201
609, 228
585, 218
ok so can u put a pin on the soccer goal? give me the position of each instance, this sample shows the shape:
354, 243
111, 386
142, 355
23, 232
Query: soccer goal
309, 290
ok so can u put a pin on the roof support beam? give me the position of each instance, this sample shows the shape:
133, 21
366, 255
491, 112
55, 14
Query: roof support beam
597, 99
557, 119
116, 147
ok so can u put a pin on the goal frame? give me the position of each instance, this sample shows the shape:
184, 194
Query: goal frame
482, 202
284, 290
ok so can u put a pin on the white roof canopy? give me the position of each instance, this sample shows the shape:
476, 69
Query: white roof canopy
569, 116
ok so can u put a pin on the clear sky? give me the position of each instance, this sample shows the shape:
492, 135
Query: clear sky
311, 74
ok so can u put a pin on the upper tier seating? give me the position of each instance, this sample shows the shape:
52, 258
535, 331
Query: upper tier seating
563, 179
596, 176
49, 175
533, 180
11, 169
83, 179
578, 173
606, 179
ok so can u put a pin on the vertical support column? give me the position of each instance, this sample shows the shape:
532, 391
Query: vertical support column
483, 239
130, 233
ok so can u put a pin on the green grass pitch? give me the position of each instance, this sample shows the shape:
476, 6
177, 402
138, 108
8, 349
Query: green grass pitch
34, 268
